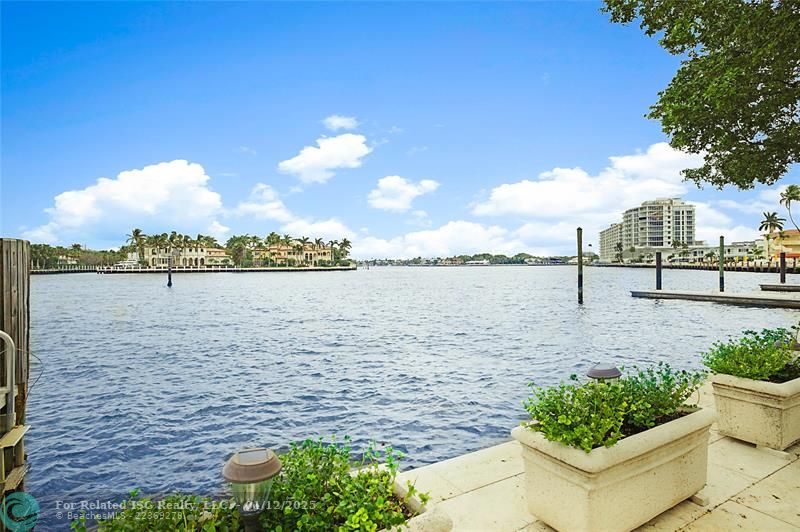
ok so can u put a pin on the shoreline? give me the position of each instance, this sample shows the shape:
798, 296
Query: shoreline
181, 269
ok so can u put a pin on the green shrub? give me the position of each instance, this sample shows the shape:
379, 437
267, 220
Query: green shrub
757, 356
600, 413
172, 513
315, 491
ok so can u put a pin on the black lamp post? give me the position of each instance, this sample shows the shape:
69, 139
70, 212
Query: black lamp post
251, 472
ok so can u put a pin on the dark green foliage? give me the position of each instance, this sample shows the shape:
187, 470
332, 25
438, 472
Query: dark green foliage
755, 355
736, 96
315, 491
176, 512
595, 414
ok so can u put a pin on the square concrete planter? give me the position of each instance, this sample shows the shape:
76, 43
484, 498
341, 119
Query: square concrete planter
763, 413
618, 487
430, 517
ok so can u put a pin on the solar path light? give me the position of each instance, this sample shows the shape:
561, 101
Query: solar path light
251, 472
604, 372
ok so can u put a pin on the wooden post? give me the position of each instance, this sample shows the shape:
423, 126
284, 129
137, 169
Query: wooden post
15, 271
658, 270
580, 266
722, 264
783, 267
169, 271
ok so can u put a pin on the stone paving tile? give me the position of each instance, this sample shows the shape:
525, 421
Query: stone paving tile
722, 484
427, 480
735, 516
743, 458
777, 495
497, 507
676, 517
481, 468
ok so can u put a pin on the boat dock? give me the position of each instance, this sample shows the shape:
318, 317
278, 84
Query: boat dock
750, 300
780, 287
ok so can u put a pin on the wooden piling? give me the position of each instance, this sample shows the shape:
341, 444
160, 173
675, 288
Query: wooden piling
783, 267
722, 264
15, 267
580, 266
658, 270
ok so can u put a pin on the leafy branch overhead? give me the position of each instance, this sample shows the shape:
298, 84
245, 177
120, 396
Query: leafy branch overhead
736, 96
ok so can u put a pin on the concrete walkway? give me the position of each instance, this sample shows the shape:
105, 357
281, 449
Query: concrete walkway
748, 489
756, 299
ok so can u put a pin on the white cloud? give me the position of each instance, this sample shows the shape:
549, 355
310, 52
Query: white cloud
563, 192
248, 150
264, 204
712, 223
395, 193
337, 122
217, 230
455, 237
326, 229
172, 194
315, 164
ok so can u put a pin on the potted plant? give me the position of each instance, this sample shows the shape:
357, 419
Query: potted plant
756, 386
611, 455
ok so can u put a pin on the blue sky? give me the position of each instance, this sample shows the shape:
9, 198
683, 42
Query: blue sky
452, 127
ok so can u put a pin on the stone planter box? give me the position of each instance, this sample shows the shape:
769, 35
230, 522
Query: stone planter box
430, 518
619, 487
763, 413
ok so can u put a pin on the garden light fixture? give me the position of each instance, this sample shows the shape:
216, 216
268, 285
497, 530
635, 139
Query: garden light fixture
604, 372
251, 472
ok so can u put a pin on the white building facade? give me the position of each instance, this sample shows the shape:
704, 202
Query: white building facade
659, 225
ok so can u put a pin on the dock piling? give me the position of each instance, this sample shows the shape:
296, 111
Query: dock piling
658, 270
722, 264
580, 266
783, 267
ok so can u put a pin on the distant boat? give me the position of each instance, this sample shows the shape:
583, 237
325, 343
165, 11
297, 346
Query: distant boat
477, 263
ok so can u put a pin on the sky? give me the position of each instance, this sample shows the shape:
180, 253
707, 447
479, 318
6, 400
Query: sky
413, 129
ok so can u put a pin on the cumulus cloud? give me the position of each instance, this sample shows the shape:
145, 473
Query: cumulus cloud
337, 122
217, 230
563, 192
172, 194
326, 229
454, 237
712, 223
395, 193
316, 164
264, 204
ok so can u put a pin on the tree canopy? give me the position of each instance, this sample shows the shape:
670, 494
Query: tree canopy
736, 95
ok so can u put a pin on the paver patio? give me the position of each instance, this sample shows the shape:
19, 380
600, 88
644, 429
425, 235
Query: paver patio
747, 489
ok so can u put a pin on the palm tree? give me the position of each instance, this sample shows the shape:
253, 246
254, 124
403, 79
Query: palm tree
273, 239
298, 248
345, 246
333, 244
137, 239
791, 194
618, 248
771, 223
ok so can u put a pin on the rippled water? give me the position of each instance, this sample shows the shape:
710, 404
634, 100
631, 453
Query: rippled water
150, 387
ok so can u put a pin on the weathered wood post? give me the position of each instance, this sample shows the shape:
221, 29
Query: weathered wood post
15, 270
580, 266
783, 267
169, 271
722, 264
658, 270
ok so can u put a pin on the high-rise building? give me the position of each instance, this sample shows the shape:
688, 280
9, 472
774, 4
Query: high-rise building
659, 224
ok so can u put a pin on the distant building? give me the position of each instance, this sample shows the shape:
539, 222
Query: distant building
661, 224
787, 241
194, 256
293, 254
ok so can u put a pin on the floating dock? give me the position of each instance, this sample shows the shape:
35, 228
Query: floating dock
780, 287
750, 300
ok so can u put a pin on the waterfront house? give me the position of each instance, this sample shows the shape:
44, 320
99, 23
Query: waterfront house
294, 254
194, 256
